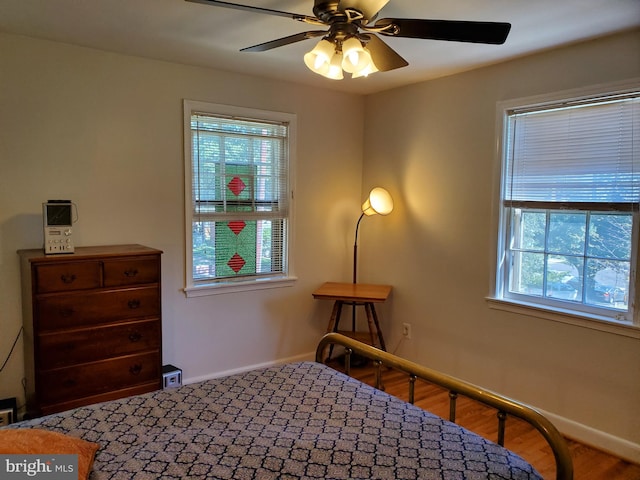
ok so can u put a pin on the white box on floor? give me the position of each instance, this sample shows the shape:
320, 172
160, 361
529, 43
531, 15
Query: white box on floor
171, 376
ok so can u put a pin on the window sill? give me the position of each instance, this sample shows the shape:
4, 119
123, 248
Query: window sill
565, 316
234, 287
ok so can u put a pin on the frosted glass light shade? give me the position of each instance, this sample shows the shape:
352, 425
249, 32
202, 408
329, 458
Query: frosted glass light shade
379, 202
318, 60
355, 57
351, 56
335, 68
365, 72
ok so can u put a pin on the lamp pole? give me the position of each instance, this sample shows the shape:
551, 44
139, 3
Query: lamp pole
355, 250
355, 271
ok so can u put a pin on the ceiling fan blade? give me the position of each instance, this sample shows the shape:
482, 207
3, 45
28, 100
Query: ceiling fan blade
384, 57
268, 11
452, 30
369, 8
281, 42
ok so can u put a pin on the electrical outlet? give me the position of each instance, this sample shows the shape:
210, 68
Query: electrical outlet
6, 417
406, 330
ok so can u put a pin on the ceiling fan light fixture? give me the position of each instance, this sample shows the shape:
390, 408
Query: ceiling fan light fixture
319, 59
328, 60
365, 72
355, 57
335, 67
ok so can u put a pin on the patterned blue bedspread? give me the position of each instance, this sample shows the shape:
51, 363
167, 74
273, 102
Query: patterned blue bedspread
297, 421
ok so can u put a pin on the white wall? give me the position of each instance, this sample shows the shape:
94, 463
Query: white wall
105, 131
434, 146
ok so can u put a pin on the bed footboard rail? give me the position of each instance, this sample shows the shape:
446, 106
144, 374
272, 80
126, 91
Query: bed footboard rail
504, 405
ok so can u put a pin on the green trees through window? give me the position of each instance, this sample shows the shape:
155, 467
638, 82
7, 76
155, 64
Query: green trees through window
582, 257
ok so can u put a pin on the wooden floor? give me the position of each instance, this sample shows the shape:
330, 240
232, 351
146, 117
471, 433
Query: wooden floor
588, 463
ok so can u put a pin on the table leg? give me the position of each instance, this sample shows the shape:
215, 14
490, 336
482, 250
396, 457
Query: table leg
334, 321
335, 317
375, 319
372, 318
368, 306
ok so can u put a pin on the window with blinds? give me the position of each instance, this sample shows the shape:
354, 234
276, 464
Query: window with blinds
239, 188
570, 203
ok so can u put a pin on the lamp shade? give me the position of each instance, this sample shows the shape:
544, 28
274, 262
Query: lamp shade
379, 202
335, 67
318, 60
365, 72
330, 58
355, 57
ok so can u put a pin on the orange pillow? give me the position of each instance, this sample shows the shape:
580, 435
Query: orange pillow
35, 441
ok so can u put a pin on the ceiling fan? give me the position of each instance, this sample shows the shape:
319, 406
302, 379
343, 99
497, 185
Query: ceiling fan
352, 43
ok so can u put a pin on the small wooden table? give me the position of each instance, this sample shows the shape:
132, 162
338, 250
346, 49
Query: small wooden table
363, 294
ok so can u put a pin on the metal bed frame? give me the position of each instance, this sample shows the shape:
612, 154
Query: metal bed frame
505, 406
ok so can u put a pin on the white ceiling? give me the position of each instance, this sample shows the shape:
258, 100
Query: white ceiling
196, 34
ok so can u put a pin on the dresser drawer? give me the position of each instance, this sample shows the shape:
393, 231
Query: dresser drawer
49, 408
63, 277
62, 311
63, 384
86, 345
130, 271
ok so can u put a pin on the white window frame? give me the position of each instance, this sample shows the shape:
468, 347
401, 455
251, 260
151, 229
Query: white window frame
561, 311
287, 278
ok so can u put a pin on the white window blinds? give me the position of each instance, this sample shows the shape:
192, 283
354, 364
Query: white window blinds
240, 197
575, 154
239, 167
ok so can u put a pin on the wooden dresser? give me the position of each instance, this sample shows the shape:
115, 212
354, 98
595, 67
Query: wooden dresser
92, 325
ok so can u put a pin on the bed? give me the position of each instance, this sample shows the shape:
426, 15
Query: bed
300, 420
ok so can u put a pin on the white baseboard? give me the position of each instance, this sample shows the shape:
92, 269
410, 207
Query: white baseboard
596, 438
298, 358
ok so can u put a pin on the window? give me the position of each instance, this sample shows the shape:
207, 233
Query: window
238, 210
569, 206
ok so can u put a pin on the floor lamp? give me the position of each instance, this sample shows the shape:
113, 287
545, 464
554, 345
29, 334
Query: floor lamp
379, 202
